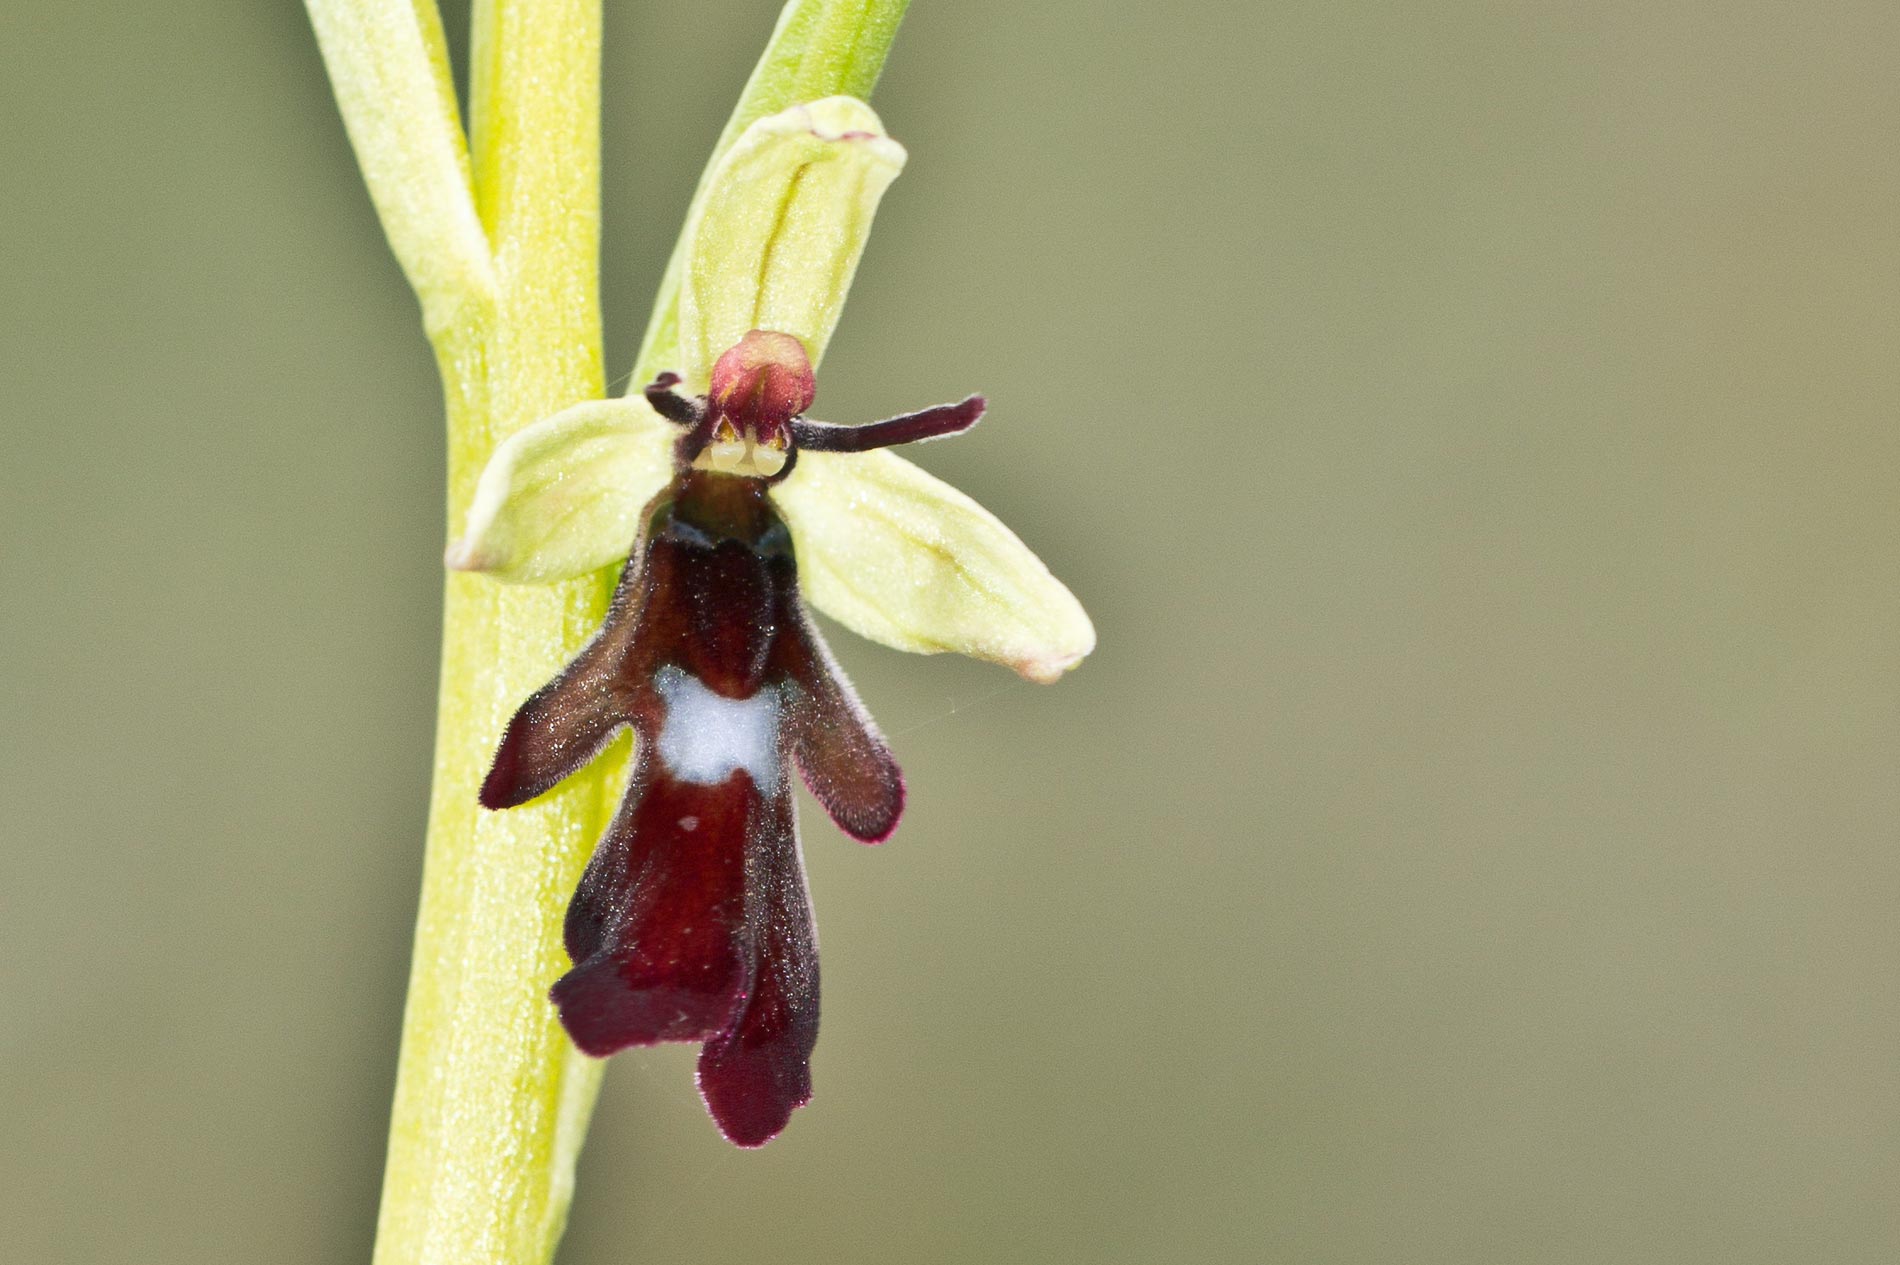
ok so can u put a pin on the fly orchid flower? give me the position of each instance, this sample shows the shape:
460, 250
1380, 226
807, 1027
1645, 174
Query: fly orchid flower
731, 508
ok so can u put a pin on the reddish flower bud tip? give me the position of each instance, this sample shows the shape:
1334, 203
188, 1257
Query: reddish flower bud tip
764, 381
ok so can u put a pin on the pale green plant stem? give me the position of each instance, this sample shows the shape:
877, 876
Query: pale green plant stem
499, 237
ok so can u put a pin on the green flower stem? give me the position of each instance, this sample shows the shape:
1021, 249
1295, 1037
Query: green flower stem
491, 1099
499, 238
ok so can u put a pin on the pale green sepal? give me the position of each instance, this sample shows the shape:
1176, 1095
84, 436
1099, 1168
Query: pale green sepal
563, 496
901, 557
787, 212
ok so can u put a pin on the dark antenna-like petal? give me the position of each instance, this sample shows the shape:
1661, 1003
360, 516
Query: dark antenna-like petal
931, 423
670, 404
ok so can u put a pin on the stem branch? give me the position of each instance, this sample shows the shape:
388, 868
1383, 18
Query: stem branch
389, 68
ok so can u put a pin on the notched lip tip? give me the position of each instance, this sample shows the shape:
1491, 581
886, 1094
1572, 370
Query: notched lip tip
605, 1051
751, 1144
748, 1143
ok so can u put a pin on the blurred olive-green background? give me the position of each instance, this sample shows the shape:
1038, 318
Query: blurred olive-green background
1474, 427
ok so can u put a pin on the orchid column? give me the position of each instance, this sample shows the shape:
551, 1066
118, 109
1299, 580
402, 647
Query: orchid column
498, 234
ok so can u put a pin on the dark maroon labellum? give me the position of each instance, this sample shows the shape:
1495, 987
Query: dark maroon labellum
692, 921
